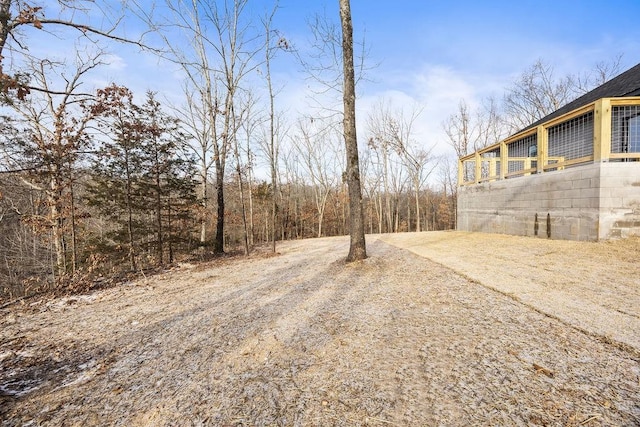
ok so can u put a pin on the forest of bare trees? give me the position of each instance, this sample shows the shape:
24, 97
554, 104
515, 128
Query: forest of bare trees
98, 183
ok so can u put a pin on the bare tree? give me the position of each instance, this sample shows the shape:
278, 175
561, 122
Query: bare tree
392, 139
535, 94
242, 119
16, 15
222, 54
251, 133
416, 161
602, 72
57, 127
320, 157
271, 144
468, 131
194, 122
458, 128
357, 248
539, 92
371, 180
290, 177
23, 252
448, 179
382, 129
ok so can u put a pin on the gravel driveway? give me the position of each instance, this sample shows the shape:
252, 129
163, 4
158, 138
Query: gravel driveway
301, 338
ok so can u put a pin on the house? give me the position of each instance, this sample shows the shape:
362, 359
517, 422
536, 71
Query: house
575, 174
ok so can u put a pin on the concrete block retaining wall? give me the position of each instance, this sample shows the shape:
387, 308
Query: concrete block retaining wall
619, 200
588, 202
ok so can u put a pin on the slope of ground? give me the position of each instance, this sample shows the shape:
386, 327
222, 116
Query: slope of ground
303, 339
592, 286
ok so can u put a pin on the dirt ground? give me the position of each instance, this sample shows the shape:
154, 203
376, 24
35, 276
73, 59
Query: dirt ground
592, 286
477, 330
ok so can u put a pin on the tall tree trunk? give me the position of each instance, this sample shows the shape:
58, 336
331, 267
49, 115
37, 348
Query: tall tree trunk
129, 197
54, 200
203, 194
379, 210
396, 215
245, 225
170, 240
250, 196
408, 214
357, 247
248, 206
74, 235
159, 208
34, 233
56, 230
426, 213
273, 152
320, 218
297, 220
218, 245
417, 211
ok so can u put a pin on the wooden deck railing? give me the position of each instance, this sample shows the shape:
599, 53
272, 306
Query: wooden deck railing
493, 162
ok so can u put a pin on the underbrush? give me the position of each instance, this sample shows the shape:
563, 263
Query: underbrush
104, 273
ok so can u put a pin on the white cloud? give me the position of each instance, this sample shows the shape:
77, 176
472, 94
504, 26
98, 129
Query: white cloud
115, 62
439, 84
435, 90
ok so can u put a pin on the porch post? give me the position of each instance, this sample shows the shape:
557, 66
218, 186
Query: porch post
543, 148
602, 130
504, 159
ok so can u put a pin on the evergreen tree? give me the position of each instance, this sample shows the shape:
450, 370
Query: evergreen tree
140, 182
168, 177
118, 168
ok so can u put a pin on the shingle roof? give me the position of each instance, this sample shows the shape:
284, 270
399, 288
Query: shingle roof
626, 84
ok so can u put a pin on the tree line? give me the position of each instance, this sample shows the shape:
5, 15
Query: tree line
98, 183
535, 93
113, 184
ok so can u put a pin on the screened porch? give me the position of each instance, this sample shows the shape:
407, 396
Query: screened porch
607, 130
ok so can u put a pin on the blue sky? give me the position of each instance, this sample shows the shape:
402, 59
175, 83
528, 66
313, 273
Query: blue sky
436, 52
429, 53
